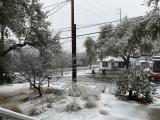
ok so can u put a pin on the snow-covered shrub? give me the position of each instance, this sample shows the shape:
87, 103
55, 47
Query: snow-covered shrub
88, 95
50, 90
73, 107
8, 78
50, 100
104, 112
35, 111
53, 99
135, 84
76, 91
25, 99
49, 105
91, 102
92, 92
102, 88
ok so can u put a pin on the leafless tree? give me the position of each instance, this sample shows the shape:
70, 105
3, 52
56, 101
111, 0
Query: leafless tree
34, 68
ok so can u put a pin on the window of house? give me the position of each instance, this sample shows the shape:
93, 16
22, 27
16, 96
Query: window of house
105, 64
121, 65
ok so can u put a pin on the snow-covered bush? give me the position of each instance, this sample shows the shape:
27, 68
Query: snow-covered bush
102, 88
33, 111
50, 90
36, 111
50, 100
94, 95
76, 91
134, 84
91, 102
73, 107
25, 99
92, 92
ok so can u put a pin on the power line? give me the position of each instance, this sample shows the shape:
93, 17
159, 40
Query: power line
103, 4
57, 9
90, 25
98, 8
55, 4
84, 34
69, 40
88, 34
90, 11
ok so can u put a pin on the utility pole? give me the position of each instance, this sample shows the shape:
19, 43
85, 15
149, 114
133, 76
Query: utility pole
73, 32
120, 15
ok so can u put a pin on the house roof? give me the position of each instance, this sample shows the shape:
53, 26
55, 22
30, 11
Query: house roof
156, 58
110, 58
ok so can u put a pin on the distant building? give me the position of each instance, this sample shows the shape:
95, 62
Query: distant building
142, 62
111, 63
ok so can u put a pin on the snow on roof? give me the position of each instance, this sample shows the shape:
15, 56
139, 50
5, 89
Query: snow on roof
156, 58
110, 58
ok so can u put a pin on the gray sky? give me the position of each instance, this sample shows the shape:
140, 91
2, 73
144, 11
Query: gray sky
92, 12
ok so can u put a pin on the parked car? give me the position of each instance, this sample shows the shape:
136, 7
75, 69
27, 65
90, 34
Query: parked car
154, 73
154, 76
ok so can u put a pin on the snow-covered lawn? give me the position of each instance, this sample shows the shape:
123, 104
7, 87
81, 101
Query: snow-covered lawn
116, 109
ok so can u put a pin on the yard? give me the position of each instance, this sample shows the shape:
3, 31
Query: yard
52, 106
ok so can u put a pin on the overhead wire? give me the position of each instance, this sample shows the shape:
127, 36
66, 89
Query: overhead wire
55, 4
90, 25
86, 9
58, 9
92, 33
99, 9
60, 5
103, 4
69, 40
84, 34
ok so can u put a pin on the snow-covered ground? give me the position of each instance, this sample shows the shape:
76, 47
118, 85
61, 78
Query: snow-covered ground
117, 109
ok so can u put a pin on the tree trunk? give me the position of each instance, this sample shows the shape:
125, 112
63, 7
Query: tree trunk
39, 91
30, 85
61, 71
48, 82
127, 62
130, 94
1, 71
90, 63
2, 67
90, 66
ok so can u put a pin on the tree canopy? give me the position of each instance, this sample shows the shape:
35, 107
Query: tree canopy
23, 23
126, 39
90, 46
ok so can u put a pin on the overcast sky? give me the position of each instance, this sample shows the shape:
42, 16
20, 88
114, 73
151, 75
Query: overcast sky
91, 12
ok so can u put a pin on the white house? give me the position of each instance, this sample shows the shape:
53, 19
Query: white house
111, 63
143, 62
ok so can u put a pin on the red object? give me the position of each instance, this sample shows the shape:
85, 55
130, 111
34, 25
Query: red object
156, 75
